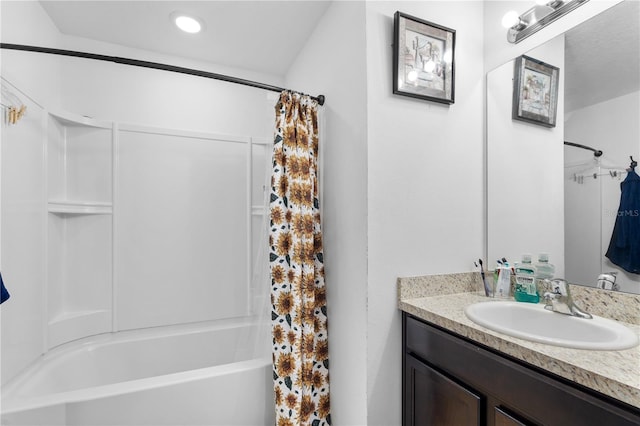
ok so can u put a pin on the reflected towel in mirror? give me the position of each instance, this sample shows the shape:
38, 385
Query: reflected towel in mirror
4, 294
624, 248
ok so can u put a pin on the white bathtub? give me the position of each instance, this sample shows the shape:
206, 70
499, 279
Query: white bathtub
204, 374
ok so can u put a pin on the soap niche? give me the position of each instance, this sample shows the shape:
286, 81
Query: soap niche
80, 227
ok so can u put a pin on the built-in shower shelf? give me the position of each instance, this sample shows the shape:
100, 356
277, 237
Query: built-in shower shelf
79, 208
75, 120
72, 315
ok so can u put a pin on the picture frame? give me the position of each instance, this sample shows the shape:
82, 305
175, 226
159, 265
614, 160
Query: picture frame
423, 59
535, 91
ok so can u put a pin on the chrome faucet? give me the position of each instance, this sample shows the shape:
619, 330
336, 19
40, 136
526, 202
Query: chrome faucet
559, 299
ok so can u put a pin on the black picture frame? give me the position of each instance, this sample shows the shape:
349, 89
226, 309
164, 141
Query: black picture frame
423, 59
535, 91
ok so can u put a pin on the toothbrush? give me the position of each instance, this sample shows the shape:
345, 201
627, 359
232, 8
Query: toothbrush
505, 263
487, 291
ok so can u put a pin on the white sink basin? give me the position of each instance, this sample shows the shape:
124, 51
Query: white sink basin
532, 322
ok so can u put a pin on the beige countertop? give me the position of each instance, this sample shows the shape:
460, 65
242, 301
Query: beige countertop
441, 300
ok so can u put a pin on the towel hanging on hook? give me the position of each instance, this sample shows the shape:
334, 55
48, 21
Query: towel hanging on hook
624, 247
15, 108
14, 114
4, 294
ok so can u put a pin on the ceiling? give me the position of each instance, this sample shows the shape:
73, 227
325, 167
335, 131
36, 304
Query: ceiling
260, 35
602, 59
602, 56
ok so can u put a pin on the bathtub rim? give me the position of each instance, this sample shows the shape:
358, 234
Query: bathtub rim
9, 402
132, 386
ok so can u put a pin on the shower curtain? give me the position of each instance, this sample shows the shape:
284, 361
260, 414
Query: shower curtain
298, 295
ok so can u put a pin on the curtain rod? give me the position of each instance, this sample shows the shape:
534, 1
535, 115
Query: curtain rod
596, 152
153, 65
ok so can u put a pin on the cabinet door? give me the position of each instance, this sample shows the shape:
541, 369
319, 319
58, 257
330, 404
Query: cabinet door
433, 399
503, 418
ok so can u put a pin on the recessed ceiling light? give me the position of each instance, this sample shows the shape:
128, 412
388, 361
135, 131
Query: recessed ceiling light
186, 23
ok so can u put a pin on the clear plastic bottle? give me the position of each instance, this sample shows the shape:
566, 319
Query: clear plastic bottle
502, 281
526, 290
544, 270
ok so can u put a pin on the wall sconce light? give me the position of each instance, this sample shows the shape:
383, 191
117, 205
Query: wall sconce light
536, 18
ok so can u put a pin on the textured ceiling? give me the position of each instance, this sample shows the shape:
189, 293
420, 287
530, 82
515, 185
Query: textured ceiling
264, 36
602, 57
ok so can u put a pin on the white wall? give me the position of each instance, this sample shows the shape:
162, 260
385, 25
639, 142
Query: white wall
123, 93
613, 127
25, 22
23, 241
582, 205
425, 183
420, 200
525, 162
23, 221
333, 63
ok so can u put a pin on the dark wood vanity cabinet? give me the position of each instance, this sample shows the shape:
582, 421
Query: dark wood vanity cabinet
450, 381
434, 399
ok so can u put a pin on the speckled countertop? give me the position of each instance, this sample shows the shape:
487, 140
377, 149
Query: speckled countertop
441, 300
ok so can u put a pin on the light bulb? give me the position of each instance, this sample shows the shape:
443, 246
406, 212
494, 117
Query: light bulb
412, 75
510, 19
188, 24
429, 66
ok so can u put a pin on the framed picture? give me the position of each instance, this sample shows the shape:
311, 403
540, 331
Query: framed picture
535, 91
423, 59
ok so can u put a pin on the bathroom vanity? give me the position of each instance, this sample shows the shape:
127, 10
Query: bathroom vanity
457, 372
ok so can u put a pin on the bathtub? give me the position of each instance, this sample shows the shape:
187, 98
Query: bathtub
199, 374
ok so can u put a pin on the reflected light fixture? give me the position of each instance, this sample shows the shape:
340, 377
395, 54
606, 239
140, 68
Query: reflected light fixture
448, 56
186, 23
537, 17
429, 66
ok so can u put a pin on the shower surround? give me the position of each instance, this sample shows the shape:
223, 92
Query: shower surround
141, 242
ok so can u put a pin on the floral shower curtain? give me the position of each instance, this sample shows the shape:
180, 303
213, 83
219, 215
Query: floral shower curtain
298, 296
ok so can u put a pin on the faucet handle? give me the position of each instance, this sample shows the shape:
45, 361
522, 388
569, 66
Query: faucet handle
559, 299
559, 286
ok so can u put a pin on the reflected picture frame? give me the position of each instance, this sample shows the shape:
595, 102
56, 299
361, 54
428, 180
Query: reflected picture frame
423, 59
535, 91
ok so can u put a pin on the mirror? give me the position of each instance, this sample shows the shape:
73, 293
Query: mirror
542, 196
